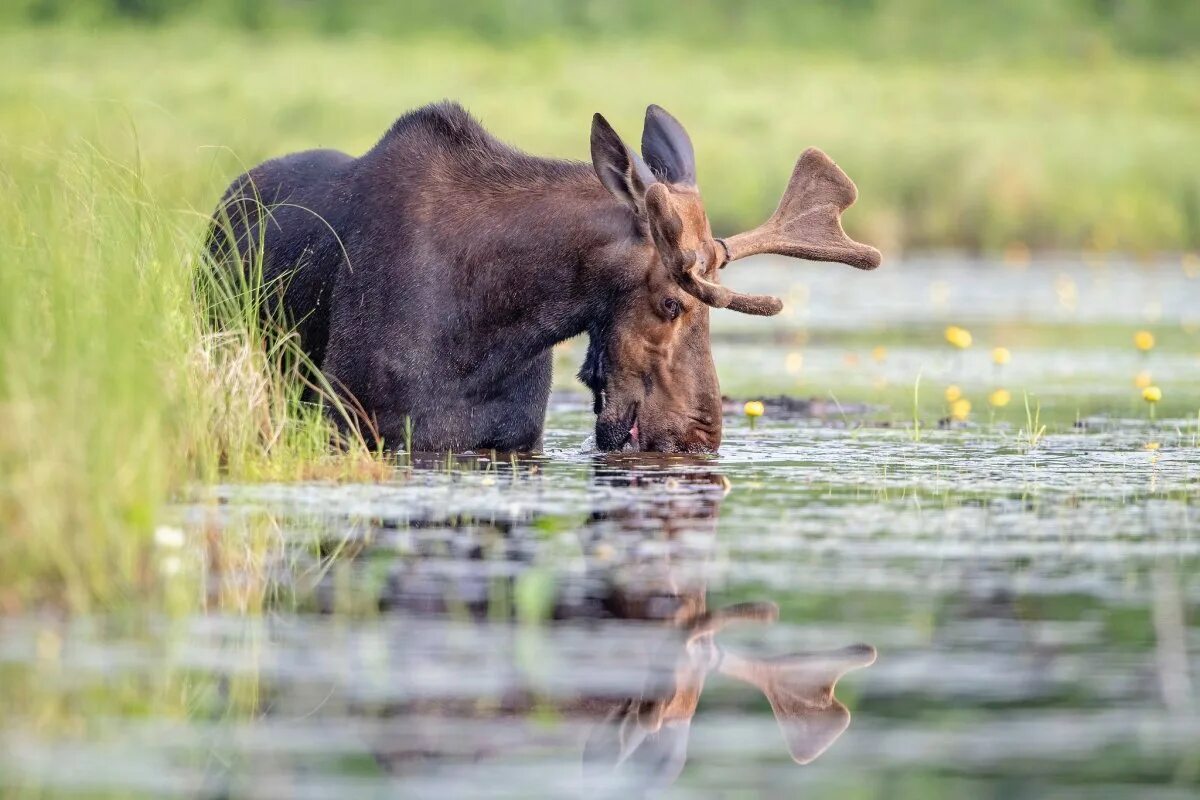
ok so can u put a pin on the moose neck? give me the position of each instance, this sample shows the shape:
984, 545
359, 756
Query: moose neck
557, 274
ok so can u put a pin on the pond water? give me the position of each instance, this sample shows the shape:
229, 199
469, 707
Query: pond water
836, 606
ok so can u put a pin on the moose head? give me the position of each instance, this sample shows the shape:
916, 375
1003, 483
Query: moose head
650, 367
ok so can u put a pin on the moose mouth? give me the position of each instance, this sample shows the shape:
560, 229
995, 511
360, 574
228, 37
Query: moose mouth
632, 442
622, 434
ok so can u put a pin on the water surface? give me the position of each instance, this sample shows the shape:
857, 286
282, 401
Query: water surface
837, 605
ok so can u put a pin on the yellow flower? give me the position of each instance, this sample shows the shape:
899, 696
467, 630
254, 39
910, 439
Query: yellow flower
953, 393
1001, 356
1143, 340
879, 354
1142, 379
960, 409
959, 337
1151, 445
1000, 398
1152, 394
794, 362
754, 409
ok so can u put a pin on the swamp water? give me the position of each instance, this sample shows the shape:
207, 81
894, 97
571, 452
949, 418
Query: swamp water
837, 606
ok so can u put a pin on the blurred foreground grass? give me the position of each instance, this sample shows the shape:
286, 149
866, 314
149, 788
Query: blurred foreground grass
114, 145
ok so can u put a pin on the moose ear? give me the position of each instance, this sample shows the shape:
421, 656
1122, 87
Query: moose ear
667, 148
620, 170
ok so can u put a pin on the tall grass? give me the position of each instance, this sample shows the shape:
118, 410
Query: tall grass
120, 384
85, 401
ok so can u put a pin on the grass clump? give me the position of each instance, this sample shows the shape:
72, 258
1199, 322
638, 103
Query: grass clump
117, 388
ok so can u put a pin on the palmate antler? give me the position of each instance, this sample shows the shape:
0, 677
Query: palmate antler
692, 273
807, 224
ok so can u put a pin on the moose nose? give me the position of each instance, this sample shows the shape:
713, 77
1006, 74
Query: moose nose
611, 435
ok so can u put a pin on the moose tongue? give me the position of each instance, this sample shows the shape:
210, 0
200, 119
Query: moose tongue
633, 432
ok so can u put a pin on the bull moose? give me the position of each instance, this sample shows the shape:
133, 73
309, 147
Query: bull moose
430, 278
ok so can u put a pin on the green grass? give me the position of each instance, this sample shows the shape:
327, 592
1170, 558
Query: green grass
116, 390
872, 29
92, 377
977, 156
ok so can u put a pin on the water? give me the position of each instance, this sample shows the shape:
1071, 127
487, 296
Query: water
838, 605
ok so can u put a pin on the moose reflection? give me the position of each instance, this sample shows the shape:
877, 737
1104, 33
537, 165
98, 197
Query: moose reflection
642, 591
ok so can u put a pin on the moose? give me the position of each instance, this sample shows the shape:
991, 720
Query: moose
429, 279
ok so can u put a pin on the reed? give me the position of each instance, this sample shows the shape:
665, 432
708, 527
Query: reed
128, 370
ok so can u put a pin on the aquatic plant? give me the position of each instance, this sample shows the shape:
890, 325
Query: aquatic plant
916, 409
958, 337
753, 410
1152, 395
1034, 429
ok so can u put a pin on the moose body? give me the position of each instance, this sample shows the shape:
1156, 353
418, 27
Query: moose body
430, 278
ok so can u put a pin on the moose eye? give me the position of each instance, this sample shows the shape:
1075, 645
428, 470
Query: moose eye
671, 307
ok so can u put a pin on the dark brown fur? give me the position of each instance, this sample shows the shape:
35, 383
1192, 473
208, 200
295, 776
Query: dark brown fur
430, 278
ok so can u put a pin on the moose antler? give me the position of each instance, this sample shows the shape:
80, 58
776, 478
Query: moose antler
666, 228
807, 223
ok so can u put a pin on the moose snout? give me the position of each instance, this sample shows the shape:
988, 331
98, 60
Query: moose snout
615, 430
611, 435
702, 439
